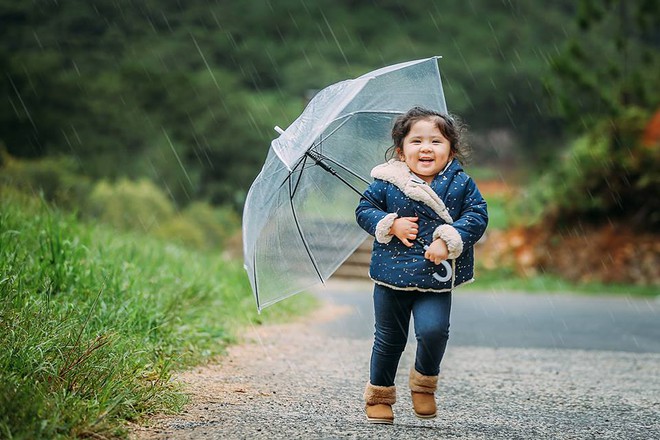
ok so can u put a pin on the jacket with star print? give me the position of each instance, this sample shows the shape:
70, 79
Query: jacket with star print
450, 208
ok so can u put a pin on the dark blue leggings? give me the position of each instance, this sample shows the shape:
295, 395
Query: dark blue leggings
392, 310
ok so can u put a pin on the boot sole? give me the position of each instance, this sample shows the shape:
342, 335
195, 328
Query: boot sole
426, 416
380, 421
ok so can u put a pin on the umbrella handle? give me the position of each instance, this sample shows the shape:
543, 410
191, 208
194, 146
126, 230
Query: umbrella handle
448, 271
446, 277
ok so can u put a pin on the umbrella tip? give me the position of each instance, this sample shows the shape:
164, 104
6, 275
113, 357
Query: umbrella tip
278, 129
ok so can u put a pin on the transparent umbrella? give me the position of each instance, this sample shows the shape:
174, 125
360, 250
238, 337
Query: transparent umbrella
299, 216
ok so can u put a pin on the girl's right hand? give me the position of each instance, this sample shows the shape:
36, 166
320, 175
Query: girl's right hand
405, 229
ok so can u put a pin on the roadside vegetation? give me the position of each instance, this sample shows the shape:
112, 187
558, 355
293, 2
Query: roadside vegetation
588, 223
589, 215
93, 322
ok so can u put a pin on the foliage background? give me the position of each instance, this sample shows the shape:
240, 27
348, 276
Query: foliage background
157, 115
187, 94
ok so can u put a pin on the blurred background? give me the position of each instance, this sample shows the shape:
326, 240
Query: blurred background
155, 116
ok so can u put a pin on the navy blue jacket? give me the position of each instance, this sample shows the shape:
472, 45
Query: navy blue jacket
450, 208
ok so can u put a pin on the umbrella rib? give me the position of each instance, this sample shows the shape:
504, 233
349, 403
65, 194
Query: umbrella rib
347, 117
318, 159
343, 167
302, 166
256, 282
302, 236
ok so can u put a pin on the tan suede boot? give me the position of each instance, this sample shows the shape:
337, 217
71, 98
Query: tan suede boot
422, 390
379, 401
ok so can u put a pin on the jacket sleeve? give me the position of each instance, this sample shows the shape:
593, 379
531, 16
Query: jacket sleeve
469, 227
371, 215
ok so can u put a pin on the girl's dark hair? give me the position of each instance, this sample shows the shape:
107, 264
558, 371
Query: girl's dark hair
449, 125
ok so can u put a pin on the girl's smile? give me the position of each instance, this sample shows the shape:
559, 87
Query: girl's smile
425, 150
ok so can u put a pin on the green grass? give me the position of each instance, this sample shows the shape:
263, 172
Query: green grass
483, 172
508, 280
93, 323
499, 212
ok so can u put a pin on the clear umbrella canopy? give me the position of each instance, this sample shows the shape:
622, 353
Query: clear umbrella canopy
299, 216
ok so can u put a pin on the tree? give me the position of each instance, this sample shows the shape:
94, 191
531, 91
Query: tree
610, 64
607, 87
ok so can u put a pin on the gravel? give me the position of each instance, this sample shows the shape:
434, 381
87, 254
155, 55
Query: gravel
300, 381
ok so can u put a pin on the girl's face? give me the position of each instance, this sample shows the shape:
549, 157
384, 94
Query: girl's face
425, 150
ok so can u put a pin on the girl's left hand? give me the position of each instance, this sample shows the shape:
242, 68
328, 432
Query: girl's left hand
437, 251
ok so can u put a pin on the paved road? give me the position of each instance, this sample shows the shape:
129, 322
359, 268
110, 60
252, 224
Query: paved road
524, 320
517, 367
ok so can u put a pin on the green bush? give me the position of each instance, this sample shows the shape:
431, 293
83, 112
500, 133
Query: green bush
182, 230
58, 178
218, 224
130, 205
201, 226
607, 175
141, 206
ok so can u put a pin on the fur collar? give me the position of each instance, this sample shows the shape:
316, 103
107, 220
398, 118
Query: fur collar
398, 174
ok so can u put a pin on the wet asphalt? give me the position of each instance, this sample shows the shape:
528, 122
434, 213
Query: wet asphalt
522, 320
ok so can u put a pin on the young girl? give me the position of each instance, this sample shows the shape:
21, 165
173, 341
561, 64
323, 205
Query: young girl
426, 215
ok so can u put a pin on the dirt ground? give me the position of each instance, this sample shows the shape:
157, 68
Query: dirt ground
244, 375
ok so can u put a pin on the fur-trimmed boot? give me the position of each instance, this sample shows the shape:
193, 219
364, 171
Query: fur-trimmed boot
379, 401
422, 390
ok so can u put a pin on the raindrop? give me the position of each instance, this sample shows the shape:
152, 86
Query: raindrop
215, 81
185, 172
20, 98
